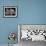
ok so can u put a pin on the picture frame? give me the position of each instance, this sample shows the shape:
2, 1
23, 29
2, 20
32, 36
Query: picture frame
10, 11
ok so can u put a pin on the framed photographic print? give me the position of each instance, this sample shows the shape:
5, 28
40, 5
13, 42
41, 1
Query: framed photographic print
10, 11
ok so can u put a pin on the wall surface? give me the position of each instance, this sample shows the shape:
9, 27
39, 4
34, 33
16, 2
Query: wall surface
32, 11
29, 12
7, 25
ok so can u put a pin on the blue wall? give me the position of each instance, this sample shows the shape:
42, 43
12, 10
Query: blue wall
29, 12
32, 11
7, 25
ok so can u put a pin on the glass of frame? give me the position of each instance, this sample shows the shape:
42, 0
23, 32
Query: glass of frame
10, 11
